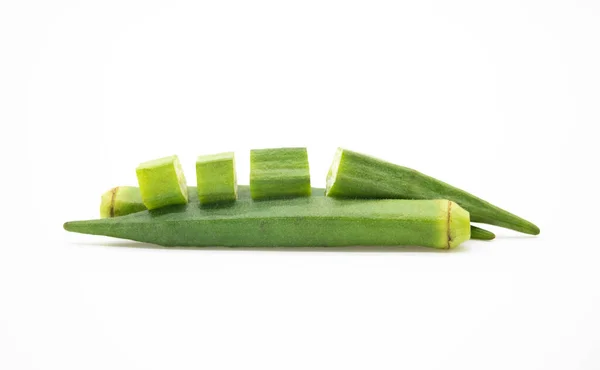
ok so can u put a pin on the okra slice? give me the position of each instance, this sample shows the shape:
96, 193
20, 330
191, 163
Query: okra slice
216, 179
279, 173
162, 182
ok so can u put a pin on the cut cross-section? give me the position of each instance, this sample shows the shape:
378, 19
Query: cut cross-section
216, 179
162, 182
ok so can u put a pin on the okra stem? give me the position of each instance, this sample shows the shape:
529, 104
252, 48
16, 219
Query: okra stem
121, 201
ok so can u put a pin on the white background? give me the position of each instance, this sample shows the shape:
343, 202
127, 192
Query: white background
499, 98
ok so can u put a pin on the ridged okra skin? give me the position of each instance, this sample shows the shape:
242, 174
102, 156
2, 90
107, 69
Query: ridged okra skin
215, 178
296, 222
131, 202
279, 173
162, 182
355, 175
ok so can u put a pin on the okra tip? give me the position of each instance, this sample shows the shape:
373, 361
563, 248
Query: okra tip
69, 226
94, 227
519, 224
534, 230
478, 233
74, 226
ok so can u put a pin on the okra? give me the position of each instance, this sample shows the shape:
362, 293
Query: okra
130, 201
216, 180
121, 201
279, 173
478, 233
296, 222
162, 182
355, 175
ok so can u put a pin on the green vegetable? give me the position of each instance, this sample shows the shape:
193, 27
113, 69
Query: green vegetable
478, 233
128, 199
131, 202
162, 182
355, 175
279, 173
297, 222
121, 201
215, 175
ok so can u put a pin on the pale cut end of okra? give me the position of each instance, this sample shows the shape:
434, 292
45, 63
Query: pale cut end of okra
333, 171
279, 173
162, 182
106, 204
121, 201
459, 225
216, 179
